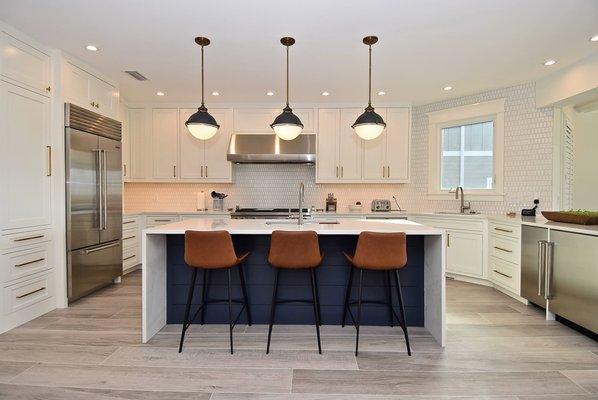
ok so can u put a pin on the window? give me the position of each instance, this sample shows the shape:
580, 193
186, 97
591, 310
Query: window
467, 156
465, 149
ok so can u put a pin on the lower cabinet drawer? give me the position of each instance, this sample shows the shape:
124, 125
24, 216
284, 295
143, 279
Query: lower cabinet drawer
130, 258
505, 248
130, 238
505, 274
156, 220
16, 240
26, 262
27, 293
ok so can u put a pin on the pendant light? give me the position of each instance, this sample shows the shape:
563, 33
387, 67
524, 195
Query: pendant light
201, 124
287, 125
369, 125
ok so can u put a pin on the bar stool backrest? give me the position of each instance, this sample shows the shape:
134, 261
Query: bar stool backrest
209, 250
381, 250
290, 249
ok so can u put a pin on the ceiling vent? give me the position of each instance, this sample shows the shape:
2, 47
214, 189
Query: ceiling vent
136, 75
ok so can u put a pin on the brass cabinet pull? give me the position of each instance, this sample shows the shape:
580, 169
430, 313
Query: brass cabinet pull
49, 171
503, 274
129, 237
503, 249
32, 292
383, 171
128, 258
202, 171
388, 171
206, 171
28, 238
30, 262
342, 172
162, 220
124, 169
48, 89
97, 105
174, 171
337, 171
448, 240
93, 104
502, 230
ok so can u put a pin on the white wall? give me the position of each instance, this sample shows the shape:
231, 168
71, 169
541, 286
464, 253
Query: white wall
585, 161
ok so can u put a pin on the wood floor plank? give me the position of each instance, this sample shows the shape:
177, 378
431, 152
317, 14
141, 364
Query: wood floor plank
66, 354
158, 379
83, 338
432, 383
586, 379
97, 324
561, 397
510, 344
10, 369
551, 328
304, 396
201, 358
23, 392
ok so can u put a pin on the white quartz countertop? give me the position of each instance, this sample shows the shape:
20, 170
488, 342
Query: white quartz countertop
265, 227
542, 222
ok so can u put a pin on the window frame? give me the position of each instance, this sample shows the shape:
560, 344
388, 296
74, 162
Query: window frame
464, 115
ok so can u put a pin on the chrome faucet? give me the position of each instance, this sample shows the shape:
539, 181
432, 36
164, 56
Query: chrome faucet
301, 200
463, 206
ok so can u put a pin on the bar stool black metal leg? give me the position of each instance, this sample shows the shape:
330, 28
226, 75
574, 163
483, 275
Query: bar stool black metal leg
314, 292
230, 311
358, 311
204, 288
273, 308
188, 308
389, 298
402, 310
318, 299
347, 296
244, 289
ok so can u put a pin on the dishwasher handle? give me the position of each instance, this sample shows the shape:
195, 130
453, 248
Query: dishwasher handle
541, 266
548, 274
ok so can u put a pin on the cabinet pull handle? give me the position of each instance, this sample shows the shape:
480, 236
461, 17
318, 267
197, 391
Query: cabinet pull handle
128, 258
342, 171
32, 292
541, 264
49, 171
383, 171
174, 171
129, 237
124, 169
448, 240
206, 171
93, 104
107, 246
503, 249
202, 171
388, 171
128, 222
48, 89
28, 238
503, 230
29, 262
337, 171
162, 220
503, 274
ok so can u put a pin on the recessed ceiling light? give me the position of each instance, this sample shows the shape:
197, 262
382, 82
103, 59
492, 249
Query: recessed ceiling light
381, 93
269, 93
159, 93
549, 62
447, 88
91, 47
325, 94
215, 94
594, 38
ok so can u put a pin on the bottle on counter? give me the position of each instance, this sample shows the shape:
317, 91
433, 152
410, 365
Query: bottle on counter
330, 203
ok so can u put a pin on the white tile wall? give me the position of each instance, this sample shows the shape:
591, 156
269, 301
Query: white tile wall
528, 170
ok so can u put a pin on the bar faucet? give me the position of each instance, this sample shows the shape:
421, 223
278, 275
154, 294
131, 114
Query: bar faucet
301, 200
463, 206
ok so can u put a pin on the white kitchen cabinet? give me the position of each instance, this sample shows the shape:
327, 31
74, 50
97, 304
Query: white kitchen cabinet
504, 252
26, 158
89, 91
349, 146
165, 122
327, 151
24, 65
465, 253
192, 150
258, 120
374, 154
139, 138
125, 142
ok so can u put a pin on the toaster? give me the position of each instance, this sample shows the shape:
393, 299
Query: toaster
380, 205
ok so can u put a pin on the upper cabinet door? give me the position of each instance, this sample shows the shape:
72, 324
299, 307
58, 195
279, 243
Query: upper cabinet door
216, 167
398, 144
25, 180
349, 146
77, 88
306, 115
192, 159
140, 144
374, 154
165, 122
328, 130
254, 120
24, 64
104, 96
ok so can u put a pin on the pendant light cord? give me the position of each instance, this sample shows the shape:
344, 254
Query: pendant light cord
202, 85
370, 79
287, 75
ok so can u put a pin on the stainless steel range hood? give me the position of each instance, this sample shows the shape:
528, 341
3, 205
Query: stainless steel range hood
267, 148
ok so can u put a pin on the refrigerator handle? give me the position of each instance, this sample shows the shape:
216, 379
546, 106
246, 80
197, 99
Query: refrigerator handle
105, 190
541, 266
549, 261
100, 190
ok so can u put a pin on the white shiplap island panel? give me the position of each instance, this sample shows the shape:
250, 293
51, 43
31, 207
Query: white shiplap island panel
154, 251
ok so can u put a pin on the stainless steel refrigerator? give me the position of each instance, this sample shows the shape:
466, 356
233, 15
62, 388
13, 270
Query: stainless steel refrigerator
93, 201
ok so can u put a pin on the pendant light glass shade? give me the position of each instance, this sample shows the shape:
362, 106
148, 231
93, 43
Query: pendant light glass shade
202, 125
287, 125
370, 124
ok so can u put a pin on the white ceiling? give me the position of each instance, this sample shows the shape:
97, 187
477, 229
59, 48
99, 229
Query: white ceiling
472, 45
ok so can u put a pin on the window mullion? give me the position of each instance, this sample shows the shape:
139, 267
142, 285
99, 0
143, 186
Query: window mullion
462, 158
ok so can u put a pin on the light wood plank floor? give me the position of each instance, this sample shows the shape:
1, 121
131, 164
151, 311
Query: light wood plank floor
497, 349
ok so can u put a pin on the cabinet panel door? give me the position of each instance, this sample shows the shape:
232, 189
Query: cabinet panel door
216, 166
256, 120
306, 115
25, 183
24, 64
78, 86
328, 130
140, 143
374, 154
165, 122
192, 155
397, 143
349, 146
105, 96
126, 143
465, 253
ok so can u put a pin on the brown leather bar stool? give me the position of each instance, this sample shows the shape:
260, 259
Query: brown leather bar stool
384, 252
213, 251
295, 250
